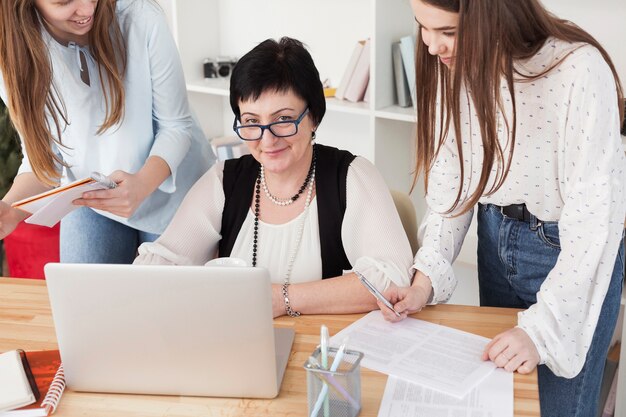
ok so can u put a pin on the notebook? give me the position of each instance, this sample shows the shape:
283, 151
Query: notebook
47, 373
173, 330
49, 207
17, 385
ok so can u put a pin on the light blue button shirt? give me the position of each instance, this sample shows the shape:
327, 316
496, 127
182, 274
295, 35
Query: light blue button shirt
157, 119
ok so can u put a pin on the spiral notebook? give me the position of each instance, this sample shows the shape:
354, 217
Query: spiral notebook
48, 372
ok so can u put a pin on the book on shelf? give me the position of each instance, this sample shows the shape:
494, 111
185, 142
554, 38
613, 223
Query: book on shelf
403, 94
407, 49
347, 74
49, 380
355, 91
366, 97
227, 147
49, 207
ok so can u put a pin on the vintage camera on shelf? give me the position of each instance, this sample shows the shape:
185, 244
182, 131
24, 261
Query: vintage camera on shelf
219, 67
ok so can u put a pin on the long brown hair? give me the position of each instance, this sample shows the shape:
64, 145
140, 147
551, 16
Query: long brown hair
491, 36
27, 72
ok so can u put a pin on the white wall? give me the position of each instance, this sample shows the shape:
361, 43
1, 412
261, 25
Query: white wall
604, 19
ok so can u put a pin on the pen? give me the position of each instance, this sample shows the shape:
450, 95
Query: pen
103, 179
329, 379
376, 293
324, 348
333, 368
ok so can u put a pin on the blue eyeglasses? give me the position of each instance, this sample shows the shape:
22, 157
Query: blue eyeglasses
282, 129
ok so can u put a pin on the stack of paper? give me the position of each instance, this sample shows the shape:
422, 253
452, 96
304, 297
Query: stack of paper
491, 398
432, 360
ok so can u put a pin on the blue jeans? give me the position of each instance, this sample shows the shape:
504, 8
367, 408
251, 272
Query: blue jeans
514, 258
88, 237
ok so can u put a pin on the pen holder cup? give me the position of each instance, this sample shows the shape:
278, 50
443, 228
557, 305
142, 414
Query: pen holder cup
334, 393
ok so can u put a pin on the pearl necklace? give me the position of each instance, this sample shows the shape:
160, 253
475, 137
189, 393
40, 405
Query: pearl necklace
286, 201
300, 228
260, 182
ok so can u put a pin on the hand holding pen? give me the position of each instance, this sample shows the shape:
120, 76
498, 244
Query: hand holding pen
407, 300
383, 303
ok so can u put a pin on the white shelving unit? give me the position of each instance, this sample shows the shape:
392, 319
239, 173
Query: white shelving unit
378, 130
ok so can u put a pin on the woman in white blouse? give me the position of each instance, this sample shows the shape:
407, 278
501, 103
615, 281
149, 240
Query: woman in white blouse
302, 210
518, 112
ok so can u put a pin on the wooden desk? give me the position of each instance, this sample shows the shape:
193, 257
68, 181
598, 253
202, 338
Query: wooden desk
26, 322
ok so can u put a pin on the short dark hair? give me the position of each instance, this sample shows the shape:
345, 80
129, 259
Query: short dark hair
280, 66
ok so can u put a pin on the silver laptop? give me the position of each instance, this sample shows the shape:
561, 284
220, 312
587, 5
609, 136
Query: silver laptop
174, 330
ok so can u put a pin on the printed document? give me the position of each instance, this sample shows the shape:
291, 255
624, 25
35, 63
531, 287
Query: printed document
434, 356
491, 398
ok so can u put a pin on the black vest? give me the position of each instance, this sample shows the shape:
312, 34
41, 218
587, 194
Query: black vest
331, 171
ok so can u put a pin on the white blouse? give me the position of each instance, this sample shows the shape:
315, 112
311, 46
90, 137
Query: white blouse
372, 234
568, 166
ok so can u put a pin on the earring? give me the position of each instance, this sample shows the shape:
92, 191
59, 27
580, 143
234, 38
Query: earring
313, 135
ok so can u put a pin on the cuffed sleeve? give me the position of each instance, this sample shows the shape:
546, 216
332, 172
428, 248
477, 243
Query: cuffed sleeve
440, 240
441, 234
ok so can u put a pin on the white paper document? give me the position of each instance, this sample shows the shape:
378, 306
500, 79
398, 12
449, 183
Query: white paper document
434, 356
493, 397
50, 207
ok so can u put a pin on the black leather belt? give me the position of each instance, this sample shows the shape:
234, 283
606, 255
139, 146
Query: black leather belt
517, 212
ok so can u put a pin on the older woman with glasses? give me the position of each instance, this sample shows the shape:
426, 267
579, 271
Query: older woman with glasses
304, 211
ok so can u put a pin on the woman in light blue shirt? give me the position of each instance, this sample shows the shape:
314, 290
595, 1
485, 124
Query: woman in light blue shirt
100, 89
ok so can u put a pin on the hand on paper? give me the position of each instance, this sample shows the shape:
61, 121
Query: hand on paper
513, 350
407, 300
9, 219
122, 200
